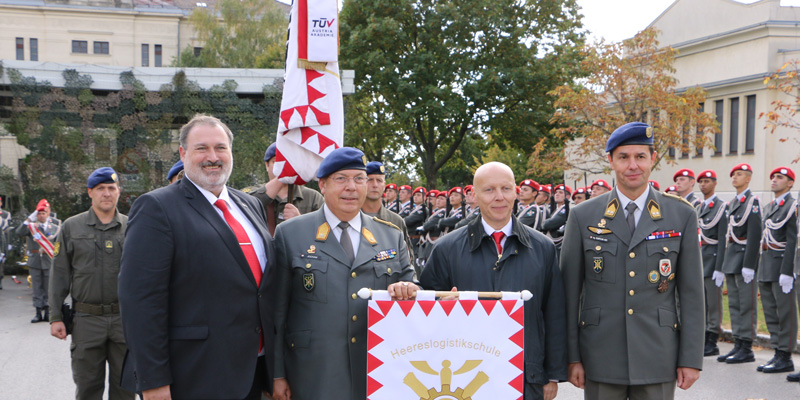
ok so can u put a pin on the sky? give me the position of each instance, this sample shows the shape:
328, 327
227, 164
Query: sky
616, 20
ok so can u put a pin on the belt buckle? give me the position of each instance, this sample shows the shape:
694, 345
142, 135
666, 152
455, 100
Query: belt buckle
106, 309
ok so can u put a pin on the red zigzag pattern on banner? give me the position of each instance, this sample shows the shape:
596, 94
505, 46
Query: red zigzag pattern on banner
323, 118
372, 385
516, 383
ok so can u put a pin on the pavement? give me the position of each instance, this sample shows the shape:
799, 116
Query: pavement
35, 365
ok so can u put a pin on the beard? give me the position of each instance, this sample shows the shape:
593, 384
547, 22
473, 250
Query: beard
210, 181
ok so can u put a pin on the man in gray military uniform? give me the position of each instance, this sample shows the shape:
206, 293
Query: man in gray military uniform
684, 181
713, 221
86, 264
373, 206
40, 231
775, 272
627, 258
740, 265
323, 259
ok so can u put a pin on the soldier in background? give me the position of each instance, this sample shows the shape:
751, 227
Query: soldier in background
431, 228
372, 204
414, 222
472, 210
655, 185
88, 270
599, 187
391, 201
274, 196
559, 212
684, 182
580, 195
40, 230
531, 214
528, 190
457, 210
740, 265
175, 173
405, 201
776, 269
5, 242
543, 196
712, 219
673, 190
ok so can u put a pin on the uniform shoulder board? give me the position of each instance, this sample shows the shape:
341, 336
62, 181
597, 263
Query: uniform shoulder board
376, 219
678, 198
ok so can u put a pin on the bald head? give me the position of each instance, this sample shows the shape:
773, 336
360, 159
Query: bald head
495, 192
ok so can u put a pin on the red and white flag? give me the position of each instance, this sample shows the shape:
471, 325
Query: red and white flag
41, 239
464, 349
312, 112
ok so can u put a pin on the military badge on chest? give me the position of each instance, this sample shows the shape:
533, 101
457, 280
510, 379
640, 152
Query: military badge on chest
666, 274
308, 281
598, 265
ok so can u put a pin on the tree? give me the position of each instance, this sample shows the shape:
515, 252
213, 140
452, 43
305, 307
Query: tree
786, 81
238, 34
432, 72
626, 82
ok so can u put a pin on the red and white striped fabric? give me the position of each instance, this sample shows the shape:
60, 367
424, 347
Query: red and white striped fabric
312, 112
41, 240
445, 349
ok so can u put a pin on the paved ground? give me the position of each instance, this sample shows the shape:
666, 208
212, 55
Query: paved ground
35, 365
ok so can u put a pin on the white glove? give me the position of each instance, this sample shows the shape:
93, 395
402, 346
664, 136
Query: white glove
786, 282
32, 217
748, 274
10, 247
718, 278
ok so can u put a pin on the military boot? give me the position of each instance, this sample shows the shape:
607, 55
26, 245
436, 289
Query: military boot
744, 355
737, 344
46, 316
38, 316
768, 363
711, 348
783, 363
795, 377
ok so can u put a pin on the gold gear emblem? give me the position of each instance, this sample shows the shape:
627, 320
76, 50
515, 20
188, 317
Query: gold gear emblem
445, 377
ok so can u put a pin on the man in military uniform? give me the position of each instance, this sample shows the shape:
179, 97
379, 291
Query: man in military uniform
530, 214
599, 187
373, 206
775, 273
405, 201
457, 210
5, 242
414, 222
543, 196
528, 189
684, 182
628, 257
86, 265
740, 265
713, 221
323, 259
274, 196
559, 211
472, 210
655, 185
580, 195
391, 201
175, 172
40, 230
431, 228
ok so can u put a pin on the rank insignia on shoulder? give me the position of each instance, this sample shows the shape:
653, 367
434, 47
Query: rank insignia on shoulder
598, 265
654, 209
311, 249
652, 276
599, 231
611, 208
323, 231
386, 254
308, 281
665, 267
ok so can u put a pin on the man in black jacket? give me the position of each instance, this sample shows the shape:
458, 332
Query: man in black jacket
497, 253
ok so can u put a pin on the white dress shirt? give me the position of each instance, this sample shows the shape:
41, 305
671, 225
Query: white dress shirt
640, 203
354, 230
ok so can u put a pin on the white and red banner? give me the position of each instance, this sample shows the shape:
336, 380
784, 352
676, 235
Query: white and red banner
457, 349
41, 239
311, 121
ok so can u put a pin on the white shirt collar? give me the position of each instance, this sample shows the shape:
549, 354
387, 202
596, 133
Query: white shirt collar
640, 201
710, 199
210, 196
739, 197
781, 197
334, 221
489, 230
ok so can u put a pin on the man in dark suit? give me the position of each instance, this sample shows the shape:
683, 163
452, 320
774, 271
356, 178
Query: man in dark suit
196, 281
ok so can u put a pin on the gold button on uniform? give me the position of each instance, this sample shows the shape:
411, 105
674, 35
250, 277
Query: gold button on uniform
389, 270
355, 318
632, 274
354, 296
631, 293
632, 255
353, 275
597, 248
583, 323
291, 345
675, 326
308, 266
630, 311
353, 339
665, 249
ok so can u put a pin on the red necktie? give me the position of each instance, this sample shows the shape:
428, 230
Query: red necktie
498, 238
247, 249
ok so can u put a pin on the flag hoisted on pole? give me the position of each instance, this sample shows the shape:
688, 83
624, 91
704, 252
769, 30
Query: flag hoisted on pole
311, 121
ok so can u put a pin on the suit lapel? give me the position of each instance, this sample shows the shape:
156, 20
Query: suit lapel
704, 209
260, 227
326, 240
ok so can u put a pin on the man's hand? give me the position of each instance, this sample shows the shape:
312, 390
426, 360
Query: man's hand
290, 211
403, 290
273, 187
687, 377
577, 376
550, 390
281, 390
58, 330
786, 282
160, 393
748, 274
32, 217
453, 297
718, 278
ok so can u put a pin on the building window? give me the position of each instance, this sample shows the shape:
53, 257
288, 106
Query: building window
734, 129
157, 49
719, 109
145, 55
698, 147
750, 129
685, 143
34, 49
197, 51
80, 46
20, 48
100, 47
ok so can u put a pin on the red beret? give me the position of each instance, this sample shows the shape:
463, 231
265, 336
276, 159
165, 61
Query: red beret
442, 193
392, 186
456, 189
707, 174
582, 190
783, 171
545, 188
683, 172
530, 183
42, 206
655, 185
405, 187
420, 190
565, 188
467, 189
433, 193
741, 167
602, 183
672, 188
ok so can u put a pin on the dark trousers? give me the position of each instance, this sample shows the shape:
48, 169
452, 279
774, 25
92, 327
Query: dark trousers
533, 392
259, 383
607, 391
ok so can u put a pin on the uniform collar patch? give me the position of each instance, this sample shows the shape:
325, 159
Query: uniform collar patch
654, 209
323, 231
368, 235
612, 208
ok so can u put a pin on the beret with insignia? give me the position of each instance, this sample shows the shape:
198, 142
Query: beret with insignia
101, 175
783, 171
375, 168
343, 158
629, 134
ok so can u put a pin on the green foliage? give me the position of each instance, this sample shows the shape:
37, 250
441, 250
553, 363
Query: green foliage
431, 73
238, 34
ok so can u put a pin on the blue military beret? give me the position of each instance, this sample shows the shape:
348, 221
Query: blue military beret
270, 153
177, 168
630, 133
101, 175
375, 167
340, 159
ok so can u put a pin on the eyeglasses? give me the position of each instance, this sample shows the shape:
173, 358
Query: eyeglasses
342, 180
